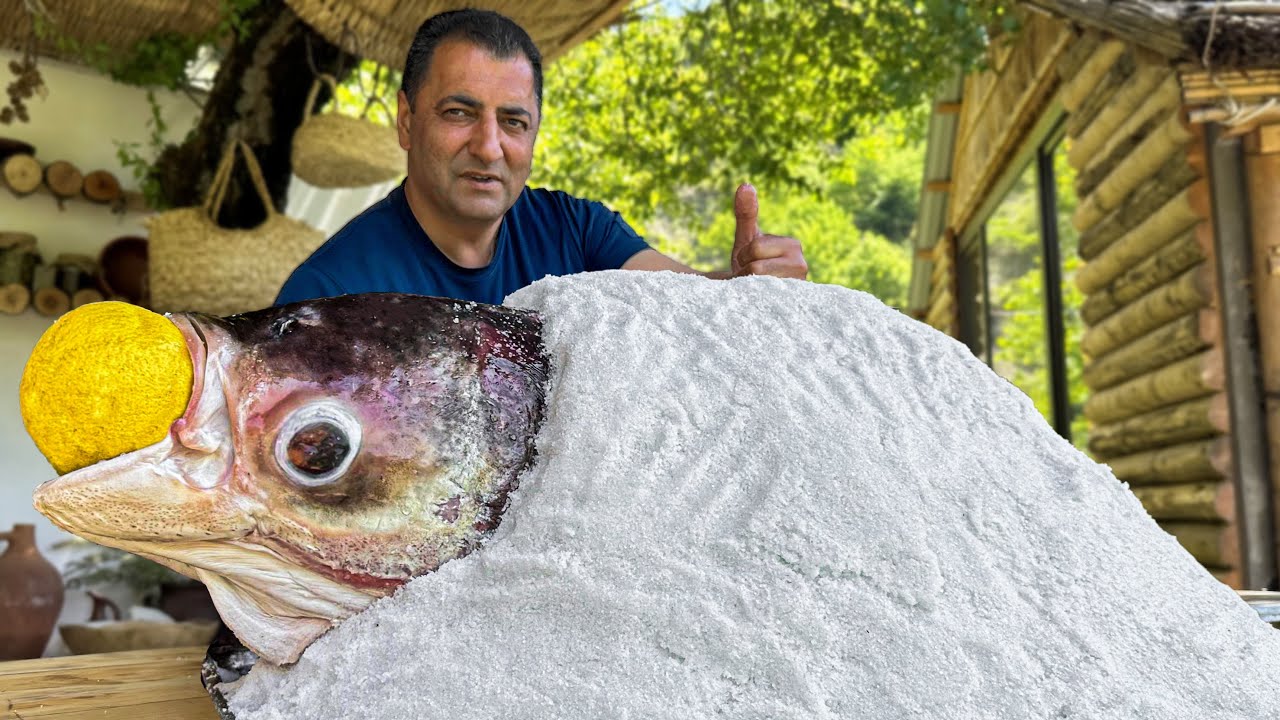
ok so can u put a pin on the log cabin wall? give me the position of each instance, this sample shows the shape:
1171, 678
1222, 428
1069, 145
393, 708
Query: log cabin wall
1153, 345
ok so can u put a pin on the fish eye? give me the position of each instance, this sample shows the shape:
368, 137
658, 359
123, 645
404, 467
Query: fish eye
317, 444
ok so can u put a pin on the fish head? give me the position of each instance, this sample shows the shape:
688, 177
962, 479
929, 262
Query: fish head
331, 451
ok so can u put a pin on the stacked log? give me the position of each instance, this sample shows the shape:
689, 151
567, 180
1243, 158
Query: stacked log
17, 262
941, 311
1153, 340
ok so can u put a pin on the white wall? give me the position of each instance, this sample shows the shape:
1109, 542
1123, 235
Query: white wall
78, 121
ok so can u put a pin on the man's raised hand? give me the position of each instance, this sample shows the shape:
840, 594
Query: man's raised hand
755, 253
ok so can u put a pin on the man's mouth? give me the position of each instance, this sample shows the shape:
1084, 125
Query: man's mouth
482, 179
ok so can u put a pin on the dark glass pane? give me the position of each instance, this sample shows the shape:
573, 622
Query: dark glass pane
1072, 298
971, 287
1016, 292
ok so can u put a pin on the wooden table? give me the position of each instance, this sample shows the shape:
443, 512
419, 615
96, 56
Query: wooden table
139, 685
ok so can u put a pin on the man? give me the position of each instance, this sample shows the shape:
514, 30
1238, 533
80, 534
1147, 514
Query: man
463, 224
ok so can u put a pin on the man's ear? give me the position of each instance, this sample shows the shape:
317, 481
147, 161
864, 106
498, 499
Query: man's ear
403, 111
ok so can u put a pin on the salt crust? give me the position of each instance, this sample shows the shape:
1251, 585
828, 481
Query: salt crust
771, 499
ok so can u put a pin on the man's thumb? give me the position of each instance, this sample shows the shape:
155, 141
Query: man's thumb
746, 209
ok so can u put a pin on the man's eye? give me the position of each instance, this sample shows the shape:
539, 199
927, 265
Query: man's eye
517, 124
455, 113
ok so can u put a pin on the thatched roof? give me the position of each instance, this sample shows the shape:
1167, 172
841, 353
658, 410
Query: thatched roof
1243, 34
377, 29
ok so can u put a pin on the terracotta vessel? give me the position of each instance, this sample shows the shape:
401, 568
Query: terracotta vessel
30, 596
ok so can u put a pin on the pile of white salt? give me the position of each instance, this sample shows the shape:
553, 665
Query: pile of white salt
772, 499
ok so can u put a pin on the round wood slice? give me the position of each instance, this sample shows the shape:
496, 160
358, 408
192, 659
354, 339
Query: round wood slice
51, 301
17, 241
22, 174
84, 296
63, 179
14, 298
101, 186
11, 146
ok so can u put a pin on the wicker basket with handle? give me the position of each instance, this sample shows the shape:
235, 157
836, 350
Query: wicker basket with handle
331, 150
195, 265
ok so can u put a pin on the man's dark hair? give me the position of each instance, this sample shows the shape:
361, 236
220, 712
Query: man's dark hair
497, 34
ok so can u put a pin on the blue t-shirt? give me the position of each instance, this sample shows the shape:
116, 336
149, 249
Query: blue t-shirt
385, 250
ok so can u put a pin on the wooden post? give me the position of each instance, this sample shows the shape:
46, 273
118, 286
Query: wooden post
1262, 164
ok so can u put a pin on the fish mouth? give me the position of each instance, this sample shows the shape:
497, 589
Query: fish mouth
174, 502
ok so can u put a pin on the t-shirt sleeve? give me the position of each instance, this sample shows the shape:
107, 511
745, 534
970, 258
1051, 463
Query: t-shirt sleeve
609, 241
308, 283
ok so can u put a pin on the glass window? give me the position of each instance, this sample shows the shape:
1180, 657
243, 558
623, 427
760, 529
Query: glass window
1015, 280
1018, 301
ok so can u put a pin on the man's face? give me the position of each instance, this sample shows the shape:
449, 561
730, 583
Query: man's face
470, 133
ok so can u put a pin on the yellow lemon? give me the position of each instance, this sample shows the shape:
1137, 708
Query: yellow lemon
106, 379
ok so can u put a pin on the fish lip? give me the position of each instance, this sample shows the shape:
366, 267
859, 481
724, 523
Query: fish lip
198, 349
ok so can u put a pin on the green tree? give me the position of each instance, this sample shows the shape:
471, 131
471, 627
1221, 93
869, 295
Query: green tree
767, 90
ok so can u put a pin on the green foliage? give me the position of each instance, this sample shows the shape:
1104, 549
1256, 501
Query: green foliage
138, 157
837, 251
1015, 274
733, 91
369, 92
160, 60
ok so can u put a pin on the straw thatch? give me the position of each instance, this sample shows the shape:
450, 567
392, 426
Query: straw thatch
115, 25
381, 30
1239, 34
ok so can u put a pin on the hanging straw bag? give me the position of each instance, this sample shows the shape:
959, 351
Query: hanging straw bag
331, 150
195, 265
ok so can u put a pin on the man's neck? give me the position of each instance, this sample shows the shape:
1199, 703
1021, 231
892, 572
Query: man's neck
468, 244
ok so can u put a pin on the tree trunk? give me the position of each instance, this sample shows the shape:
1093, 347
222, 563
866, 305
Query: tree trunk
257, 96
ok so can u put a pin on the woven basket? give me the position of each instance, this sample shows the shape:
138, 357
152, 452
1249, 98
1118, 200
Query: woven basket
197, 266
338, 151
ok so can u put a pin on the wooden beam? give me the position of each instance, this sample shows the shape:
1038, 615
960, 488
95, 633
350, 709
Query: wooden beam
1192, 420
1203, 501
1211, 544
938, 186
1192, 290
588, 28
943, 107
1166, 264
1136, 93
1169, 138
1173, 218
1169, 343
1151, 25
1170, 179
1196, 376
1188, 462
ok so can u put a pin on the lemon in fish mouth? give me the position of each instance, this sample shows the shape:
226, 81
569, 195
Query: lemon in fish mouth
107, 378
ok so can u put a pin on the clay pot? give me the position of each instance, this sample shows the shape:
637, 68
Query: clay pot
30, 596
123, 270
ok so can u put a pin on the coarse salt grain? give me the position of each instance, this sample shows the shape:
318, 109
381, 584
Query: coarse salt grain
772, 499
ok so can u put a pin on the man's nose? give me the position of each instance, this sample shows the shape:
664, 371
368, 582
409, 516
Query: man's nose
486, 141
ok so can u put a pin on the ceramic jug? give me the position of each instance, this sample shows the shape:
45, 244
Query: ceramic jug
30, 596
